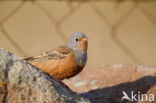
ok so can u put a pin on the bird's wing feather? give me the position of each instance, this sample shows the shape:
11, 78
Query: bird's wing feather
57, 54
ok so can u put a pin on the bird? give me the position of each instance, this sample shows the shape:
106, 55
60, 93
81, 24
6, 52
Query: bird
66, 60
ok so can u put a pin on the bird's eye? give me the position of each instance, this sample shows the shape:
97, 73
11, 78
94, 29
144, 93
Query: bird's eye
76, 39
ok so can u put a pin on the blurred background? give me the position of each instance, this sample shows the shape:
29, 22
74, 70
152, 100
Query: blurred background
119, 31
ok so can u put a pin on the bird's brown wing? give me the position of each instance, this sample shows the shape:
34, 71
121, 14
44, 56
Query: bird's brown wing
57, 54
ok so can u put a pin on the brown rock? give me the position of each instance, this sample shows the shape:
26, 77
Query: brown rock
106, 84
20, 82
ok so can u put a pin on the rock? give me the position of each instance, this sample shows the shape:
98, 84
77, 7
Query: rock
20, 82
152, 90
106, 84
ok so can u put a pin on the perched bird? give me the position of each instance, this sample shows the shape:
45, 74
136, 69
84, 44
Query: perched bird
66, 61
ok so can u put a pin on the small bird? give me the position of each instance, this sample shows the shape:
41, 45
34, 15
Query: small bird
65, 61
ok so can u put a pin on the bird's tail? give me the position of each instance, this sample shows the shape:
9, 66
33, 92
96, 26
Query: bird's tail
29, 58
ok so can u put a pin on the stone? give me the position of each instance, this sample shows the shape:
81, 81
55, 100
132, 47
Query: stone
106, 84
21, 82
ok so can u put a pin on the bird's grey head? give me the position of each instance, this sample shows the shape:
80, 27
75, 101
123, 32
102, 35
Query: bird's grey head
78, 42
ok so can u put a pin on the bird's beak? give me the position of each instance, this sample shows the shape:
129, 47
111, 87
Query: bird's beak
85, 39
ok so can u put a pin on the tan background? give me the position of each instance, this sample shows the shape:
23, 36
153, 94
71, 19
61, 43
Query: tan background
119, 31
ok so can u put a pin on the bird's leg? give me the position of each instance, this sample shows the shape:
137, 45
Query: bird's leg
63, 84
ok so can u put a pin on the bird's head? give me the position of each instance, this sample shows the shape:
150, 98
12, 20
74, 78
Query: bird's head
78, 41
